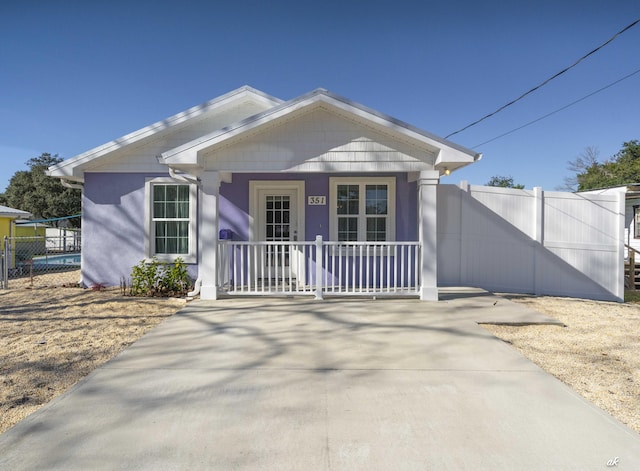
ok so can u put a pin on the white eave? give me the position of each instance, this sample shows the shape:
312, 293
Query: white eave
73, 169
12, 213
447, 153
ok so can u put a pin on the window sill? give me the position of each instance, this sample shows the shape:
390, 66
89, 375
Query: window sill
171, 258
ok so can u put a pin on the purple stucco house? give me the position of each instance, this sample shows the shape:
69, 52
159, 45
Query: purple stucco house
315, 195
322, 196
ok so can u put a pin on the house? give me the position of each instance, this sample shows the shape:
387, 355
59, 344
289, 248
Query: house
631, 238
8, 218
8, 228
632, 216
317, 195
25, 228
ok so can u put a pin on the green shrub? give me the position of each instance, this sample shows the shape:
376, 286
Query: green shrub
157, 278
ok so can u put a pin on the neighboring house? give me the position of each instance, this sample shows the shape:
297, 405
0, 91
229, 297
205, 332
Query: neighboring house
631, 194
632, 217
63, 239
30, 229
316, 195
8, 228
8, 218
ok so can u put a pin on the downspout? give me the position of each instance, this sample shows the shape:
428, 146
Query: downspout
196, 288
198, 283
184, 178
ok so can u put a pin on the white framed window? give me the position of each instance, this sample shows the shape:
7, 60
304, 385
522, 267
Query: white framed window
362, 209
636, 222
170, 217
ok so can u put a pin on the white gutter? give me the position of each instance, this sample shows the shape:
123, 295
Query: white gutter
182, 177
74, 186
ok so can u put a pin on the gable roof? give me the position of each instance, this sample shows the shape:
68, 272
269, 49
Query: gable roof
72, 168
446, 152
12, 213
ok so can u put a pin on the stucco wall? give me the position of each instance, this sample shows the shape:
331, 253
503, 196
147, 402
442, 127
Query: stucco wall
113, 223
112, 226
234, 204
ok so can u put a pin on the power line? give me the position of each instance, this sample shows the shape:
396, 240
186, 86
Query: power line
559, 109
547, 80
48, 220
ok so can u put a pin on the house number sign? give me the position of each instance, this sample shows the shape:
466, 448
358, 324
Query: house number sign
316, 200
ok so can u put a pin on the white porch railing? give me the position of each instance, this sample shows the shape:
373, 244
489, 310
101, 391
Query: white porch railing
319, 268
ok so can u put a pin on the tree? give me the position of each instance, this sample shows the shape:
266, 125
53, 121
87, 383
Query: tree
504, 182
44, 197
621, 169
580, 165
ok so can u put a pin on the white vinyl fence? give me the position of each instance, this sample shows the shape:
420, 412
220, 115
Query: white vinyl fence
531, 241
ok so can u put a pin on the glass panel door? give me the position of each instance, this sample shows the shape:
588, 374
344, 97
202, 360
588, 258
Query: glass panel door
278, 223
278, 229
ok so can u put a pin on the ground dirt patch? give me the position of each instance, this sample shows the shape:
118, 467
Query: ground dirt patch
52, 337
597, 353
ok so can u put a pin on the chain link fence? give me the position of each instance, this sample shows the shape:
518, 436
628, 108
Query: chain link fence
40, 260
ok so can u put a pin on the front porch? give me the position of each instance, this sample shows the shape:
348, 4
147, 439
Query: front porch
319, 268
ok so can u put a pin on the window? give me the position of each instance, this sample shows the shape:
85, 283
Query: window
636, 221
363, 209
171, 220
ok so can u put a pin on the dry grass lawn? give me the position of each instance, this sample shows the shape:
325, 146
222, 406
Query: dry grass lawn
53, 337
597, 353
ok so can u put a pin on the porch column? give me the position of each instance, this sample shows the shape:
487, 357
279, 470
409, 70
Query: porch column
427, 234
208, 235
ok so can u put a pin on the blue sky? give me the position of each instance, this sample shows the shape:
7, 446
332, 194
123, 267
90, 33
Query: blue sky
76, 74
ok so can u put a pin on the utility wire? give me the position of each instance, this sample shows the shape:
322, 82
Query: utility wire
559, 109
547, 80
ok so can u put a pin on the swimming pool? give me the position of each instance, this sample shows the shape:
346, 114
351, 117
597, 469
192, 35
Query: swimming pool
67, 259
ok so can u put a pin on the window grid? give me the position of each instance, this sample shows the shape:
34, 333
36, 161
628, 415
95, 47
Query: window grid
171, 218
278, 215
362, 212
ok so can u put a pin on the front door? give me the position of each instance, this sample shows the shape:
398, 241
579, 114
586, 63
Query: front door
277, 218
278, 225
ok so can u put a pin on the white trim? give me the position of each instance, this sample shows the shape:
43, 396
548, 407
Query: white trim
149, 227
187, 154
255, 186
67, 168
361, 181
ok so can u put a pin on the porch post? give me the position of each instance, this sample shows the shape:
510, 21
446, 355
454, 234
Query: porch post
427, 217
208, 235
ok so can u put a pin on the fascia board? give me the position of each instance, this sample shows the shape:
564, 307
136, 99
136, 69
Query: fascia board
187, 153
7, 212
70, 167
400, 126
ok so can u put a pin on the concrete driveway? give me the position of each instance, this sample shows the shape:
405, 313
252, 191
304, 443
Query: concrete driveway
293, 384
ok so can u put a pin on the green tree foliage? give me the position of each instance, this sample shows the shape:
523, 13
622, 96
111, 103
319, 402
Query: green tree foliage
44, 197
621, 169
504, 182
